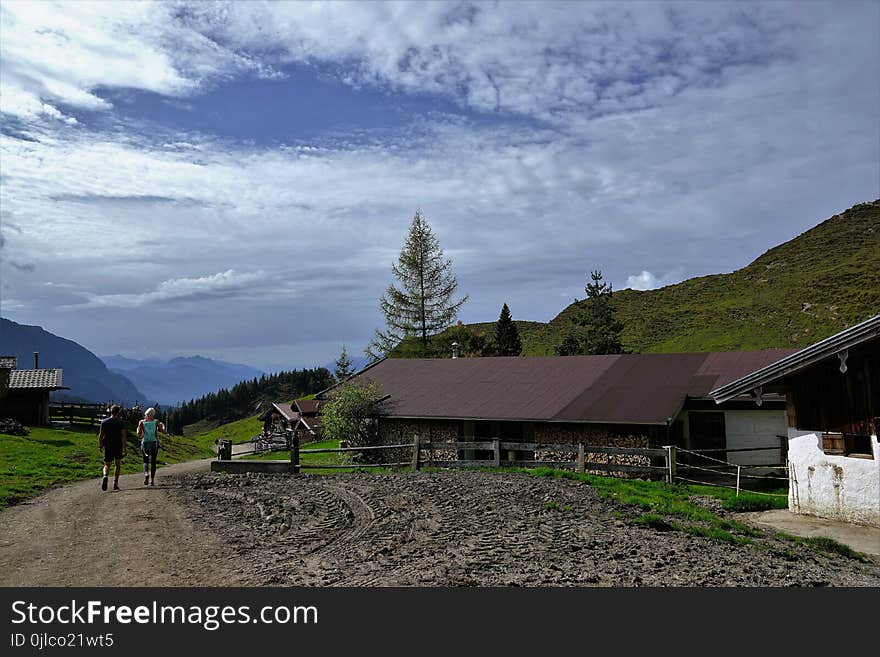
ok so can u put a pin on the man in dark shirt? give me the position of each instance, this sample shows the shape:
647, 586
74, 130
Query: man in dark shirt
111, 439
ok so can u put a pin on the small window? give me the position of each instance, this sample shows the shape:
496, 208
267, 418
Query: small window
847, 444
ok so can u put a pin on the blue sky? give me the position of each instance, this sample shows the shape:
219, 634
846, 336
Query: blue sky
235, 179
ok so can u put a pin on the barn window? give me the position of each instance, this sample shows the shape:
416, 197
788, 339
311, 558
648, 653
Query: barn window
847, 444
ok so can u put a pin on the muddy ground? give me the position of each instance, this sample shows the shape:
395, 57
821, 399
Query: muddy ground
473, 528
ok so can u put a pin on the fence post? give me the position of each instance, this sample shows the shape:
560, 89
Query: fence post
581, 458
496, 447
294, 453
415, 454
670, 463
737, 480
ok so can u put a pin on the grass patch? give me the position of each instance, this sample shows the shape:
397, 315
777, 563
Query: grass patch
240, 431
654, 521
51, 457
824, 545
660, 501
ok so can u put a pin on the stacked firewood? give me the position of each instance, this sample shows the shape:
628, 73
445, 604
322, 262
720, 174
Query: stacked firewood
10, 426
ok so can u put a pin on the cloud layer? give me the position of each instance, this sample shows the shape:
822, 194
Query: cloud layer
676, 138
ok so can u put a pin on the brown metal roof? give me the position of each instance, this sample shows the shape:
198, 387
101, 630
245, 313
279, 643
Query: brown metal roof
307, 406
42, 378
286, 412
614, 389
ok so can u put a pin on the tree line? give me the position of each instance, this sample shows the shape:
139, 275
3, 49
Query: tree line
243, 398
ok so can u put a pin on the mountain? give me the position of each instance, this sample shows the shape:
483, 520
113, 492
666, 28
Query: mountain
180, 379
806, 289
84, 373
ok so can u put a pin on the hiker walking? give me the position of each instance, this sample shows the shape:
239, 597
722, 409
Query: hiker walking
148, 431
111, 439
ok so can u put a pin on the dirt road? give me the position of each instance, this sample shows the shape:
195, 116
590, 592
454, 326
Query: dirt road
78, 535
475, 528
418, 529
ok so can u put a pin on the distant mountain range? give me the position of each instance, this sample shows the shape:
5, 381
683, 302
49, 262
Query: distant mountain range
84, 373
180, 379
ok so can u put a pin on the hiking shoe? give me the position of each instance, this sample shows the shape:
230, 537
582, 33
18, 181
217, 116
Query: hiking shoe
115, 485
104, 483
146, 479
152, 483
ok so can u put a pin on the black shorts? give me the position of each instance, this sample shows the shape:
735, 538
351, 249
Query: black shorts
112, 453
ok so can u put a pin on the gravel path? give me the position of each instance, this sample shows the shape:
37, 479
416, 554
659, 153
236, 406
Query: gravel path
472, 528
78, 535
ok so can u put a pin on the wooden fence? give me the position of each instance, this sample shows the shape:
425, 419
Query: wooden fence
77, 413
422, 454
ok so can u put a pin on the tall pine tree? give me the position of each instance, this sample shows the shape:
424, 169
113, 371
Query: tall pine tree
507, 340
342, 366
423, 304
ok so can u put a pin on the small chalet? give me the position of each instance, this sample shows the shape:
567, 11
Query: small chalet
309, 424
627, 400
301, 416
24, 394
832, 391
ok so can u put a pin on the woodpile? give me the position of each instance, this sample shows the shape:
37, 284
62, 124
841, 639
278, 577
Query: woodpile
10, 426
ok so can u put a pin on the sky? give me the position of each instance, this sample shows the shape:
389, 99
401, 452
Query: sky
235, 179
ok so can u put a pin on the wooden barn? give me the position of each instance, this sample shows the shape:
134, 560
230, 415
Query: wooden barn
832, 391
24, 394
628, 400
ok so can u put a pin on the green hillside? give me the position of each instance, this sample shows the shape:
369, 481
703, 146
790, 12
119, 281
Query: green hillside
799, 292
806, 289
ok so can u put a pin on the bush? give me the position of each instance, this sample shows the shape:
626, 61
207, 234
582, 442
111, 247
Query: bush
350, 417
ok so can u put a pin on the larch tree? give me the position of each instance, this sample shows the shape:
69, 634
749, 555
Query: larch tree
423, 303
507, 340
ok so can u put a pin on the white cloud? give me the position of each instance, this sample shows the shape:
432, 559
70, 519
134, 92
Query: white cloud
686, 151
644, 281
219, 285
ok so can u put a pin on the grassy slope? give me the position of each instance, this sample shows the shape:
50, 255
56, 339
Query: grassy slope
796, 293
51, 457
239, 431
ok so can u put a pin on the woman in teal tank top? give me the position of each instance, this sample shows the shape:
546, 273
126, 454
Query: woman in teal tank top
148, 431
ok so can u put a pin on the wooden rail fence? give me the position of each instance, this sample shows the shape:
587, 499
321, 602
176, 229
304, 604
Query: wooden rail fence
657, 461
77, 413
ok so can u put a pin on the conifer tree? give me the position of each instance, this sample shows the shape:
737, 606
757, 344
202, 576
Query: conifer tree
602, 327
599, 329
423, 304
507, 340
342, 366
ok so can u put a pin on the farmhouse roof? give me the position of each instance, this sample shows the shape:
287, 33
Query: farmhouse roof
307, 406
611, 389
36, 379
8, 362
851, 337
286, 412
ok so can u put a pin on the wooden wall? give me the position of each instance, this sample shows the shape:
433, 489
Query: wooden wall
821, 397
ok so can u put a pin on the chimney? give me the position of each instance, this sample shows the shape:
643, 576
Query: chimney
455, 350
36, 360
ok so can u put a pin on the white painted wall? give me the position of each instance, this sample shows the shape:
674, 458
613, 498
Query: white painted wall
750, 429
839, 487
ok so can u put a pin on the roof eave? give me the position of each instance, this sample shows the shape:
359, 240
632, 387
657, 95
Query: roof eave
806, 357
